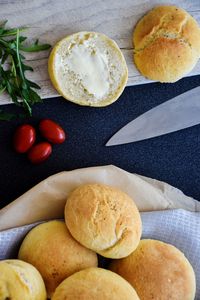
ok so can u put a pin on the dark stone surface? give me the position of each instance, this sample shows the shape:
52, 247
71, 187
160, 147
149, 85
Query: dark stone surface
173, 158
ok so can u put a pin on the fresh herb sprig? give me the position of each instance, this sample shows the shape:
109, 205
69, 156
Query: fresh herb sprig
12, 69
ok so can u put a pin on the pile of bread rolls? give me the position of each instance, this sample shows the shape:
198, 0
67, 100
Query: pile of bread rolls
59, 260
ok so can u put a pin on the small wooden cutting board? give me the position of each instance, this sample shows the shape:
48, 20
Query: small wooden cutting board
51, 20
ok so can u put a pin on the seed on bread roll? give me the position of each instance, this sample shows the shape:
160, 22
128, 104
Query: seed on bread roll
52, 250
20, 281
104, 219
88, 68
166, 44
95, 284
158, 271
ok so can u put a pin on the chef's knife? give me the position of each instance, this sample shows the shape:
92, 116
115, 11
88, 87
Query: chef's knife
178, 113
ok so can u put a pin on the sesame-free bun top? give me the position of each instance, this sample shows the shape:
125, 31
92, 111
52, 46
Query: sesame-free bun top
52, 250
20, 281
158, 271
88, 68
104, 219
95, 284
166, 44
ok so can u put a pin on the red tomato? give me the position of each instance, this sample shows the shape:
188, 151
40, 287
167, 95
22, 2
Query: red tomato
24, 138
52, 131
39, 152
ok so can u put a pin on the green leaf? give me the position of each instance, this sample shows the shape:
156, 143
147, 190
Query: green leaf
22, 56
2, 89
1, 31
11, 92
35, 98
22, 39
27, 68
33, 84
27, 106
13, 45
12, 32
35, 47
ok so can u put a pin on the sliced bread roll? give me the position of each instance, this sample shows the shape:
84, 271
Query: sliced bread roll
88, 68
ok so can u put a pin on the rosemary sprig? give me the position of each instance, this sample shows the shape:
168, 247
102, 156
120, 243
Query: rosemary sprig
13, 67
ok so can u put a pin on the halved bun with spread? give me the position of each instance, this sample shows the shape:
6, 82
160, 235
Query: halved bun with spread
88, 68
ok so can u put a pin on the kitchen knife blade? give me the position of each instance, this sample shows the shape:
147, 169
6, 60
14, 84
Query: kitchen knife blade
178, 113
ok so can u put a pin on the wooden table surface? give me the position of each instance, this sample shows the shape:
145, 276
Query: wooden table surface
52, 20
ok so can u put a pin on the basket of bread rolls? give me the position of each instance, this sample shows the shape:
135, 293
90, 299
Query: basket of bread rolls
104, 245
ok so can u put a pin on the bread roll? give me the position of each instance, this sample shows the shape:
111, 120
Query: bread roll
20, 281
166, 44
158, 271
88, 68
95, 284
53, 251
104, 219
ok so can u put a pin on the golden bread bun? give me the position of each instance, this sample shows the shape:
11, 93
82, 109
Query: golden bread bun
104, 219
166, 44
20, 281
88, 68
53, 251
158, 271
95, 284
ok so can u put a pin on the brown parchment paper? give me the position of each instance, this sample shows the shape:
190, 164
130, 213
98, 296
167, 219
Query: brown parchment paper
47, 199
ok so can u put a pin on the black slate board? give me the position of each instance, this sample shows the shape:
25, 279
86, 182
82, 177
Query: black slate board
173, 158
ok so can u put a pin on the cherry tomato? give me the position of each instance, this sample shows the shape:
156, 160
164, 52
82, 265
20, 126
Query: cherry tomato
39, 152
24, 138
52, 131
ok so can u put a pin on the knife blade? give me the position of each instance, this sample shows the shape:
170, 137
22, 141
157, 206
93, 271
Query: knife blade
178, 113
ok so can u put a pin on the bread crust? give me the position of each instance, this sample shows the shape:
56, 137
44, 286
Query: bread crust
104, 219
157, 271
166, 44
52, 250
95, 284
20, 280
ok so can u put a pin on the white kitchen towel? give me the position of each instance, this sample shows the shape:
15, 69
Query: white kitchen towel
178, 227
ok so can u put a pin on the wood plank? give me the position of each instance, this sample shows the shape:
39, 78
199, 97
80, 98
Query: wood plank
51, 20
